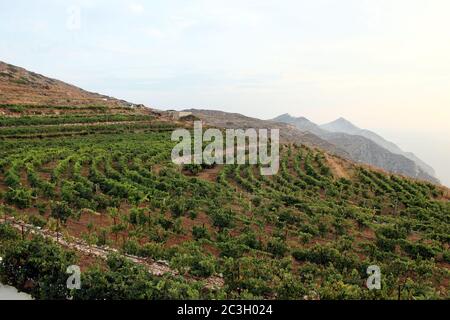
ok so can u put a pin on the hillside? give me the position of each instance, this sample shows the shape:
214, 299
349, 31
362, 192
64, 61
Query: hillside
288, 133
99, 190
344, 126
20, 86
365, 146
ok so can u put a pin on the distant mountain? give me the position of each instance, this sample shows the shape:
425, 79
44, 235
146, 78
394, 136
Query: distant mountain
288, 133
301, 123
345, 126
341, 125
364, 146
366, 151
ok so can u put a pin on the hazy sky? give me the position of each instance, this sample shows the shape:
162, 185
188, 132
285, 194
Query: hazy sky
383, 64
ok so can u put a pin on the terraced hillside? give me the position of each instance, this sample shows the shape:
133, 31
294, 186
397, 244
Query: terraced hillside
89, 181
310, 231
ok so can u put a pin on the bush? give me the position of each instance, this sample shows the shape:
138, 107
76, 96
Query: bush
178, 208
288, 216
325, 254
132, 247
257, 201
61, 211
385, 244
249, 239
153, 250
304, 237
38, 221
7, 232
392, 232
138, 216
22, 198
277, 247
190, 258
39, 262
418, 249
222, 219
200, 232
193, 169
123, 280
446, 256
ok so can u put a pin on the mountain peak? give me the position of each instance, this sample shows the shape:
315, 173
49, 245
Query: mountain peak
300, 123
342, 120
340, 125
286, 117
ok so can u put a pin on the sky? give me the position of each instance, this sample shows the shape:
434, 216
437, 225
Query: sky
383, 64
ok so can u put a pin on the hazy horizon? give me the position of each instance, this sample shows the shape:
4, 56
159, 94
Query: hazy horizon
383, 64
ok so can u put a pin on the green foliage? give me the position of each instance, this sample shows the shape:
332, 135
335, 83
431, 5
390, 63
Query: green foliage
222, 219
123, 280
38, 267
190, 259
446, 256
38, 221
277, 247
61, 211
120, 181
326, 254
7, 232
22, 198
419, 249
138, 216
200, 232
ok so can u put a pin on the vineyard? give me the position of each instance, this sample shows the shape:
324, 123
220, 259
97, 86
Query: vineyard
309, 232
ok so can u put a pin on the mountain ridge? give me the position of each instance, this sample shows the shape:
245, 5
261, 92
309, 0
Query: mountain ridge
345, 126
288, 133
365, 146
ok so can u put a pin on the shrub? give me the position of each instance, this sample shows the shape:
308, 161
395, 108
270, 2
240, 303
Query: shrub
325, 254
200, 232
7, 232
138, 216
178, 208
385, 244
193, 169
190, 258
61, 211
418, 249
250, 240
22, 198
222, 219
40, 262
277, 247
392, 232
288, 216
257, 201
446, 256
38, 221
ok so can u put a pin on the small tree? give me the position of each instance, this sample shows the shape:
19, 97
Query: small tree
61, 212
114, 214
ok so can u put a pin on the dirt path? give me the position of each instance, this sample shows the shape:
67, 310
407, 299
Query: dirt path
157, 268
